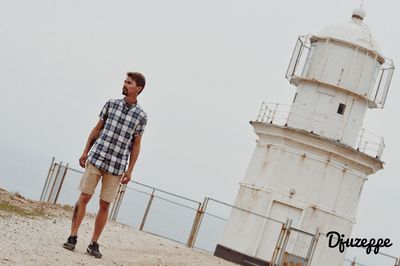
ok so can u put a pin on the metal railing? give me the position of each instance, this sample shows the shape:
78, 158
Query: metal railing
184, 220
151, 204
279, 114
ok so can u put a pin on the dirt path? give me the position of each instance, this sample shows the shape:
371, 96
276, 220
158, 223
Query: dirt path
32, 233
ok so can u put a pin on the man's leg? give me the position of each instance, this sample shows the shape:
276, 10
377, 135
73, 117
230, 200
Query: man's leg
87, 187
77, 217
79, 212
109, 189
101, 220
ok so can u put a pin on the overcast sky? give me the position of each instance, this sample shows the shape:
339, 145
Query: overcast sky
208, 64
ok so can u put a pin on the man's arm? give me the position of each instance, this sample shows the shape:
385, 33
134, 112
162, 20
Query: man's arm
126, 177
91, 139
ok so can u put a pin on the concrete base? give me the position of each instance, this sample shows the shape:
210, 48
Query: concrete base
237, 257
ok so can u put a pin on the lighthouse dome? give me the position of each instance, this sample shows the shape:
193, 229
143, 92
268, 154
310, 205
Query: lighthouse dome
353, 31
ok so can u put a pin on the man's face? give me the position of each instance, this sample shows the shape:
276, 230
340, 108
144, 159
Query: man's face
130, 88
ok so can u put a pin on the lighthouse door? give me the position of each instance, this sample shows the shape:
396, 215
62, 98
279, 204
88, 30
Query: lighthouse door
269, 237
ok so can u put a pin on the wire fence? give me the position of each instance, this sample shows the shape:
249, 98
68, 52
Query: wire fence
199, 225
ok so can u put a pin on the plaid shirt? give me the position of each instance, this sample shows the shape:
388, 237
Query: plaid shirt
112, 148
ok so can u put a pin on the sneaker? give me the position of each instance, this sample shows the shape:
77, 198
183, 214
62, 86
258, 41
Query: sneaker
93, 249
71, 242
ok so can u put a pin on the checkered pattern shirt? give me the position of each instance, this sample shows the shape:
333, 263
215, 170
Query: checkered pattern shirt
123, 122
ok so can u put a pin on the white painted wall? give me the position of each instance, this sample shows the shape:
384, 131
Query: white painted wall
339, 64
316, 109
327, 185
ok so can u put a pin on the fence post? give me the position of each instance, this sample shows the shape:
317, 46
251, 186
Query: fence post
312, 247
353, 263
381, 148
365, 145
287, 235
260, 116
54, 182
42, 196
269, 114
110, 216
361, 138
278, 245
147, 210
61, 183
273, 114
196, 223
117, 203
120, 200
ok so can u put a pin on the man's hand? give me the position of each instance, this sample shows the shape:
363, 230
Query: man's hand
126, 177
82, 160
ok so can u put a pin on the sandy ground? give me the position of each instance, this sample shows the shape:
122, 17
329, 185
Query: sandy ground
32, 233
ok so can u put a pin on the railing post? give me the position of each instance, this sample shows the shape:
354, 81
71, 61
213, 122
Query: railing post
273, 114
365, 145
54, 182
287, 235
312, 247
110, 216
46, 183
196, 223
61, 183
269, 114
361, 138
379, 84
260, 115
117, 203
120, 201
278, 247
381, 148
353, 263
147, 210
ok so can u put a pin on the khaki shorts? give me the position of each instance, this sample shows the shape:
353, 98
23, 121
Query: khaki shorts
109, 183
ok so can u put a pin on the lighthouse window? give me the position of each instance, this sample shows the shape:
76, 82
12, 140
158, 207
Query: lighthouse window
341, 108
294, 99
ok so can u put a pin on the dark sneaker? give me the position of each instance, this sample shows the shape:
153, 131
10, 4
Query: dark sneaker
93, 249
71, 242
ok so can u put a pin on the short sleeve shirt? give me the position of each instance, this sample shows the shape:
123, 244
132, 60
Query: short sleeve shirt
123, 122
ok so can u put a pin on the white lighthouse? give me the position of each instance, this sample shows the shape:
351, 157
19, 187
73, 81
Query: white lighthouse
312, 157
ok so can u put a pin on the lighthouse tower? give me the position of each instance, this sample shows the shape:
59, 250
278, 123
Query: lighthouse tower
312, 157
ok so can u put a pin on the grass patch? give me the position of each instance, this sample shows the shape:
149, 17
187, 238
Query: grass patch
7, 207
67, 208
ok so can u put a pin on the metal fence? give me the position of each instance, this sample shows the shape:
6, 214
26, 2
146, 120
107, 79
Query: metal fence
296, 247
190, 222
143, 207
138, 205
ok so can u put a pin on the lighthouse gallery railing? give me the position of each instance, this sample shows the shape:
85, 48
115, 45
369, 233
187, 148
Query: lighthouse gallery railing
276, 113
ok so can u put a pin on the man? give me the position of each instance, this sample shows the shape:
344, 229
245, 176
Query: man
116, 137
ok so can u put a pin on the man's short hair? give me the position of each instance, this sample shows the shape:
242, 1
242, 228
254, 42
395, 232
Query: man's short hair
138, 78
